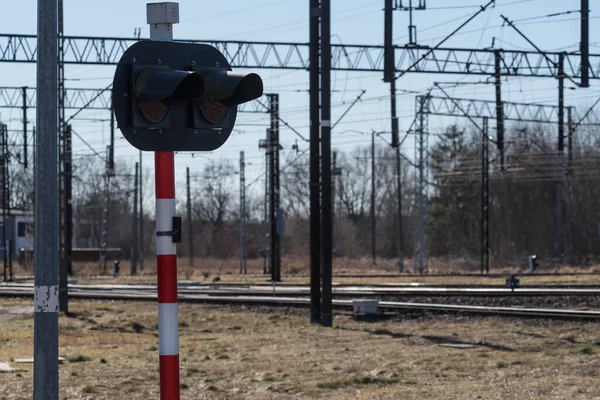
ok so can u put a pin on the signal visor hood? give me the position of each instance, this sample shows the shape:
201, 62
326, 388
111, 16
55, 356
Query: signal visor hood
157, 84
230, 88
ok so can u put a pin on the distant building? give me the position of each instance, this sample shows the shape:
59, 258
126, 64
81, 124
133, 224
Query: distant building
18, 229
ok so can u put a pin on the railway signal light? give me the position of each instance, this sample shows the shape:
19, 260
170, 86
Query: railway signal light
178, 96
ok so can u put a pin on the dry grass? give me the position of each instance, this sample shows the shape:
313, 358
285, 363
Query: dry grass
235, 353
297, 270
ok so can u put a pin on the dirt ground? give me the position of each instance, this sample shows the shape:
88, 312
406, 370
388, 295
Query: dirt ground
255, 353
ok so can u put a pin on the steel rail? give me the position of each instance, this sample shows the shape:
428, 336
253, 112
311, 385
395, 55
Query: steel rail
283, 301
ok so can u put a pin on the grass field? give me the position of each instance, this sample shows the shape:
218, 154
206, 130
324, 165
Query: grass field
248, 353
297, 270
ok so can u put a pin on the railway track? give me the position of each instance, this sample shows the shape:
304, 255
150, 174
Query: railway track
201, 294
339, 290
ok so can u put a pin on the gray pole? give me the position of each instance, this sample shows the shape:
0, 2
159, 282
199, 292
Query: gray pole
266, 260
3, 162
326, 199
45, 320
24, 94
243, 265
141, 249
134, 228
400, 220
561, 148
499, 107
485, 199
315, 171
570, 135
373, 226
388, 76
585, 43
189, 218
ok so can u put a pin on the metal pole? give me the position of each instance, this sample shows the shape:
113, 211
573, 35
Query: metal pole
421, 252
134, 228
24, 94
273, 146
485, 254
267, 259
499, 108
400, 219
243, 266
166, 250
561, 149
396, 145
142, 216
373, 222
570, 135
104, 232
389, 77
272, 209
189, 218
8, 212
68, 167
335, 172
62, 212
45, 320
276, 188
111, 152
585, 43
3, 160
326, 206
388, 70
66, 266
315, 175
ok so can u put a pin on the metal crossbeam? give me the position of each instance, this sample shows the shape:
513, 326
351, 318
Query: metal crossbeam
91, 99
108, 50
523, 112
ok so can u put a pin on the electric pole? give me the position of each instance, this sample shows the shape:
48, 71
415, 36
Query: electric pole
326, 202
66, 265
24, 94
335, 172
3, 165
189, 218
104, 236
561, 148
485, 200
585, 43
243, 265
62, 133
141, 249
315, 174
47, 243
388, 76
499, 108
274, 211
134, 228
267, 259
570, 135
373, 226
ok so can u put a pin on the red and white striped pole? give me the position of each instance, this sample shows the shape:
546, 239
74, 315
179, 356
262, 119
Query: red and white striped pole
161, 17
166, 271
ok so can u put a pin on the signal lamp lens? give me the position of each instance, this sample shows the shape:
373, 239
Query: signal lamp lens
213, 112
154, 111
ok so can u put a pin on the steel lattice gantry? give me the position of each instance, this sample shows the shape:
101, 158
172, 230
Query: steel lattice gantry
91, 99
242, 54
478, 109
99, 99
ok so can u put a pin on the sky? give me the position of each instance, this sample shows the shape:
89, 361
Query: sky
353, 22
